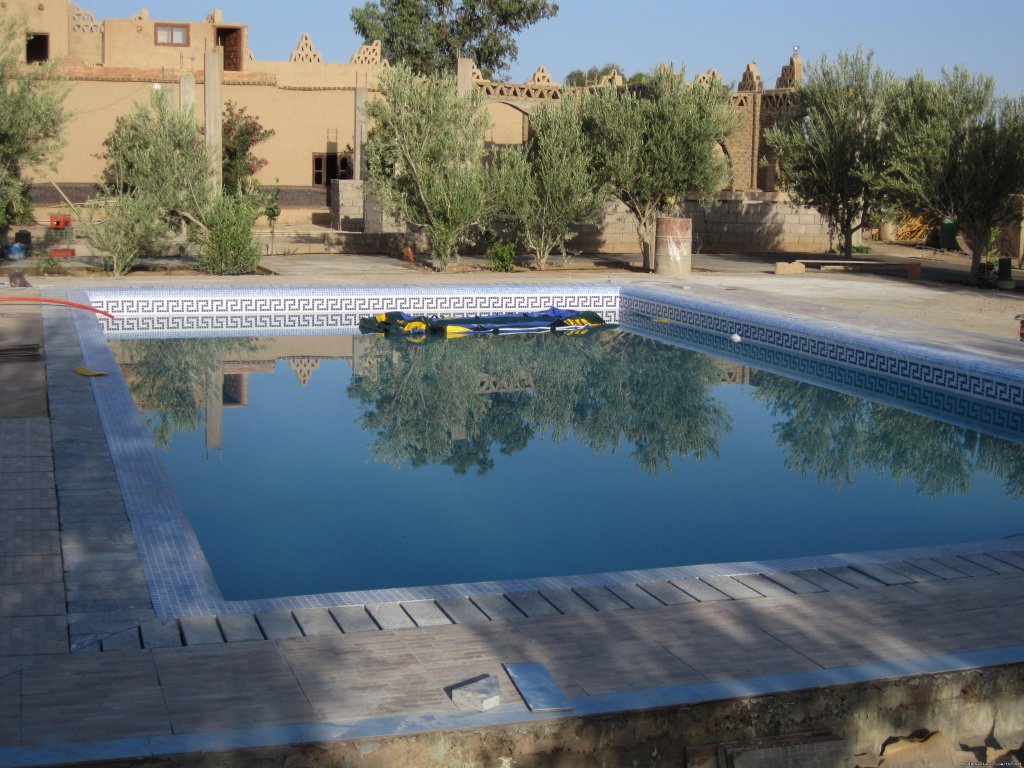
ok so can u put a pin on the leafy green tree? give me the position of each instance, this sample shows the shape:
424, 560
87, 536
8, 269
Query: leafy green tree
836, 148
158, 181
960, 155
428, 35
657, 142
578, 78
32, 120
226, 243
241, 132
426, 159
547, 185
158, 151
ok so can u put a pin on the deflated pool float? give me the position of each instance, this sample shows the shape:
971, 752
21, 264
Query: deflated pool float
417, 326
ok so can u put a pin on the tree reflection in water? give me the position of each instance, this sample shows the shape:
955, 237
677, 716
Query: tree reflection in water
831, 436
453, 402
170, 379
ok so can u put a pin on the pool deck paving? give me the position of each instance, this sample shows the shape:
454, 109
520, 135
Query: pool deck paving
137, 686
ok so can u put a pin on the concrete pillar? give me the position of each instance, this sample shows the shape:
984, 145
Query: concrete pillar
213, 66
463, 76
187, 90
359, 140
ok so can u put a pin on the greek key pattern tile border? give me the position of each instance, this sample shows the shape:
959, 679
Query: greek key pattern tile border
939, 369
284, 311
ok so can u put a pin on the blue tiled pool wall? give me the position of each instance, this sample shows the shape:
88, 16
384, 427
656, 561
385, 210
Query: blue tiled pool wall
179, 578
306, 310
955, 388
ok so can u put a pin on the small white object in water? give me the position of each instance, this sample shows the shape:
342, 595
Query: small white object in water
736, 338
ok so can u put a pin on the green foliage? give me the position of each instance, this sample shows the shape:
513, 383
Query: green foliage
123, 228
604, 389
501, 257
241, 132
227, 245
960, 155
836, 148
425, 159
49, 265
548, 186
171, 379
428, 35
578, 78
32, 119
158, 152
655, 143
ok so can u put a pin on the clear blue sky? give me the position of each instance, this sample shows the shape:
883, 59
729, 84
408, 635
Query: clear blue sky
906, 35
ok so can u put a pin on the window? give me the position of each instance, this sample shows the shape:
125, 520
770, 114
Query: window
37, 48
171, 34
330, 166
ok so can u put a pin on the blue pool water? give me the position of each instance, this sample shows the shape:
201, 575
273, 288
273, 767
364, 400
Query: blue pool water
506, 458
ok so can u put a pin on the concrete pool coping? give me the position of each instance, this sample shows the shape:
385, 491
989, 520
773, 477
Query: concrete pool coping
925, 664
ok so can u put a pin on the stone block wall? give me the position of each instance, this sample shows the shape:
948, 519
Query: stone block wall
347, 205
743, 222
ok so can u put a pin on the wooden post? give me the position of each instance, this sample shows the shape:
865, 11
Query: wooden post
214, 105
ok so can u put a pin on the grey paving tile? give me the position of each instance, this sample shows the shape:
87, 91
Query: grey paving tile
10, 711
222, 687
31, 569
666, 592
354, 618
278, 625
532, 604
763, 585
33, 635
200, 630
43, 599
601, 598
12, 520
994, 564
20, 543
18, 464
497, 607
565, 600
92, 696
316, 621
794, 583
634, 596
824, 580
128, 640
881, 573
239, 627
700, 590
1015, 559
426, 613
161, 633
29, 498
936, 568
964, 566
390, 616
912, 572
853, 577
461, 610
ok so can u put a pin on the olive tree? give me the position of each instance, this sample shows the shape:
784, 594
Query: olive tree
426, 159
658, 141
835, 148
547, 185
32, 119
960, 155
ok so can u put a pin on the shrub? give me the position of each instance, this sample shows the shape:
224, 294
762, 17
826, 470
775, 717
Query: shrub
123, 228
501, 257
227, 245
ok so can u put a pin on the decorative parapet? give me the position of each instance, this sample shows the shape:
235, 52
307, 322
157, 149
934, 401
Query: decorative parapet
708, 78
792, 74
751, 80
83, 22
539, 88
305, 52
371, 54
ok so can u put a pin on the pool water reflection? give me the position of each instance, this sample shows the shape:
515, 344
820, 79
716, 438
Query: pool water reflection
325, 464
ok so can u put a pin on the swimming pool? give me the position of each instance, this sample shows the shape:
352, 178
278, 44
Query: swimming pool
979, 406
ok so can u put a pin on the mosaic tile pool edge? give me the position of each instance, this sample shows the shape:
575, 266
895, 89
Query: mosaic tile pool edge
180, 580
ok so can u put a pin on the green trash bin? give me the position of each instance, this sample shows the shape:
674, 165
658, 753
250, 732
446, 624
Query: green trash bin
947, 235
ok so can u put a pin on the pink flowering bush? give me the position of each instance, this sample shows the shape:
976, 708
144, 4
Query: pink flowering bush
241, 132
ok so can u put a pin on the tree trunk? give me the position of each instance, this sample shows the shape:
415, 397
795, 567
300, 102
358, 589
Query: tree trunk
977, 251
847, 232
